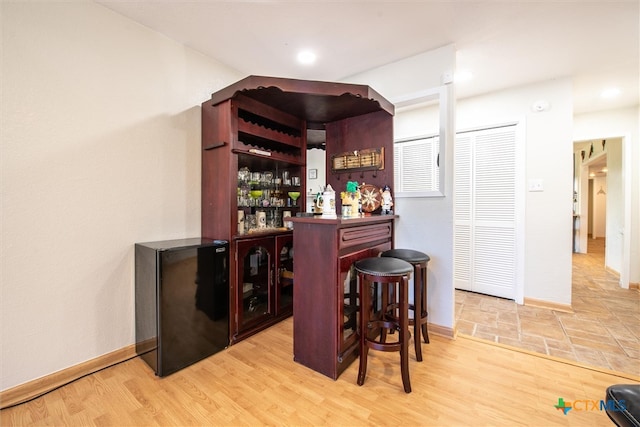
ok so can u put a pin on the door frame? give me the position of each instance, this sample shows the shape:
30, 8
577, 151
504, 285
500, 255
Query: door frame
626, 191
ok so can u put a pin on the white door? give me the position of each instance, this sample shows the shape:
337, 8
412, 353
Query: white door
485, 249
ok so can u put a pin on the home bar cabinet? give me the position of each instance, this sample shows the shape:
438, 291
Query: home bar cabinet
254, 152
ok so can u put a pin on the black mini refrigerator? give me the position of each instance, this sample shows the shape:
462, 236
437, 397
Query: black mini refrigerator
182, 301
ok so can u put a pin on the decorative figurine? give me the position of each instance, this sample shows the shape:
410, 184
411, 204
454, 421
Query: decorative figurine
387, 201
329, 203
317, 204
350, 200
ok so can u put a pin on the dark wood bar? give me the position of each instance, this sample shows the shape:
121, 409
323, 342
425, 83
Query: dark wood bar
324, 331
254, 168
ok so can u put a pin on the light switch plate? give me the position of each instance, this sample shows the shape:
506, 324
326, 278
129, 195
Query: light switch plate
536, 185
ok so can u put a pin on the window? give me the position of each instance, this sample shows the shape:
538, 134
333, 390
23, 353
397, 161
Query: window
419, 149
416, 166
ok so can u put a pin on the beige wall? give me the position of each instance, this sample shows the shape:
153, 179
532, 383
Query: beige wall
547, 215
100, 149
599, 212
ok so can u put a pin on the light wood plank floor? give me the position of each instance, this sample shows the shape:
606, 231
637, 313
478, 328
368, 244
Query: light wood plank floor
461, 382
603, 330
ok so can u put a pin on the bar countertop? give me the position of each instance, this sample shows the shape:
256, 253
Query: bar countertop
341, 221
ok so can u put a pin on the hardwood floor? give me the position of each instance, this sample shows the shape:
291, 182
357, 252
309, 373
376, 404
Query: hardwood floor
602, 331
255, 382
512, 380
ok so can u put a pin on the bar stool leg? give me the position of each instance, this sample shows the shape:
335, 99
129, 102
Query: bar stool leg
384, 290
417, 311
364, 322
404, 330
423, 308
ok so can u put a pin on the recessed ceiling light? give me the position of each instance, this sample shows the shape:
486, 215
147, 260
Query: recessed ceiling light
611, 92
462, 76
306, 57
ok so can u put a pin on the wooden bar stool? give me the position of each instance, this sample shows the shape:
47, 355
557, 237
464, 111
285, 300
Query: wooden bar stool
419, 262
392, 272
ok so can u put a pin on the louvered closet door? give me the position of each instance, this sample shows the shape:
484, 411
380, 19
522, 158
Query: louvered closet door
485, 212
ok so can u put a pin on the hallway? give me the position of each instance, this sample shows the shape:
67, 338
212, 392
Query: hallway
603, 331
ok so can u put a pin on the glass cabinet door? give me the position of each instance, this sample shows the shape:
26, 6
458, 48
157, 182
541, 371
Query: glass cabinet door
349, 301
284, 272
255, 280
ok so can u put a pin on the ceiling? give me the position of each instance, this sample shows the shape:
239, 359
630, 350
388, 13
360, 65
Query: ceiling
503, 43
599, 168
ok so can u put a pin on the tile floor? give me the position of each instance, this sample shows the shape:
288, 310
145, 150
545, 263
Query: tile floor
603, 331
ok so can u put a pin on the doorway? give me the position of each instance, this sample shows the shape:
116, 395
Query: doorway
599, 194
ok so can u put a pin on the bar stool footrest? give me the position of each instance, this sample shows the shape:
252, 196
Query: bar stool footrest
384, 346
386, 324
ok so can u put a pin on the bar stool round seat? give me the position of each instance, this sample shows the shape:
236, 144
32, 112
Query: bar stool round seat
390, 272
419, 261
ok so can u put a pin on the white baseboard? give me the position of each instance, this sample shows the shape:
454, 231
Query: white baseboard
32, 389
443, 331
548, 304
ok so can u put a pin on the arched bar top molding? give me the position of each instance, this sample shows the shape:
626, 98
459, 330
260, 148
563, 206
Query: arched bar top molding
313, 101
